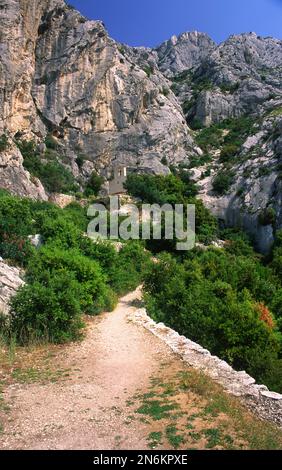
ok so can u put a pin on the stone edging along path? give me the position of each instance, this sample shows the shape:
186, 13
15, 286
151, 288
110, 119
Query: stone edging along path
265, 404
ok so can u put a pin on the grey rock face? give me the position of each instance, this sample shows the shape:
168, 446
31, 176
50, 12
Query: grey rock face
184, 52
101, 101
241, 75
20, 20
15, 178
10, 282
256, 187
71, 79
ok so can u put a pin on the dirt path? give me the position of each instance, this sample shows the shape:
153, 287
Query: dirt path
120, 388
89, 410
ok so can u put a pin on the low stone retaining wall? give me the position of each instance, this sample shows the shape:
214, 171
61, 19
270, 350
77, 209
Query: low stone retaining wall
265, 404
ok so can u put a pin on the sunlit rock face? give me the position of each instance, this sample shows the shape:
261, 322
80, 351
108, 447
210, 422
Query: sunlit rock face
10, 282
63, 74
183, 52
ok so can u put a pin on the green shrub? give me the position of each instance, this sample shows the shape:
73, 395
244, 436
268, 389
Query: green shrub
51, 142
128, 273
17, 250
149, 70
194, 162
206, 299
94, 185
49, 311
237, 243
277, 254
267, 216
264, 171
172, 189
228, 152
56, 178
80, 160
222, 182
60, 230
3, 143
229, 87
52, 259
16, 223
77, 214
165, 91
213, 137
53, 175
195, 124
101, 251
209, 138
31, 157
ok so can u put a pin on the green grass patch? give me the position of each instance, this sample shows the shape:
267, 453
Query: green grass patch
32, 375
154, 439
213, 437
174, 438
156, 409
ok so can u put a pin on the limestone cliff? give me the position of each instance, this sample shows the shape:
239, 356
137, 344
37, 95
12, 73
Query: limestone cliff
241, 78
183, 52
62, 74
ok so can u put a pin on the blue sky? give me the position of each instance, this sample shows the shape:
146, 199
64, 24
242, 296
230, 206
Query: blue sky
149, 22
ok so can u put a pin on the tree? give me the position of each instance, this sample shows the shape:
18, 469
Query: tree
94, 184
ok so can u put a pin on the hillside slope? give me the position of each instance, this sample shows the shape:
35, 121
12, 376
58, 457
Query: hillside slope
66, 84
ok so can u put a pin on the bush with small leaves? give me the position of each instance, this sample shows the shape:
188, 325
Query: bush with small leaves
94, 185
267, 216
51, 258
49, 311
206, 300
4, 143
222, 182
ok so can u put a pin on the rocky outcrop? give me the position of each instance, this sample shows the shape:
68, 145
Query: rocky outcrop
15, 179
241, 75
186, 51
253, 200
64, 75
20, 21
61, 200
10, 282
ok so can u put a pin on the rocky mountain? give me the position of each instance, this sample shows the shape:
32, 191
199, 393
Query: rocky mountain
216, 109
63, 75
242, 75
236, 92
184, 52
